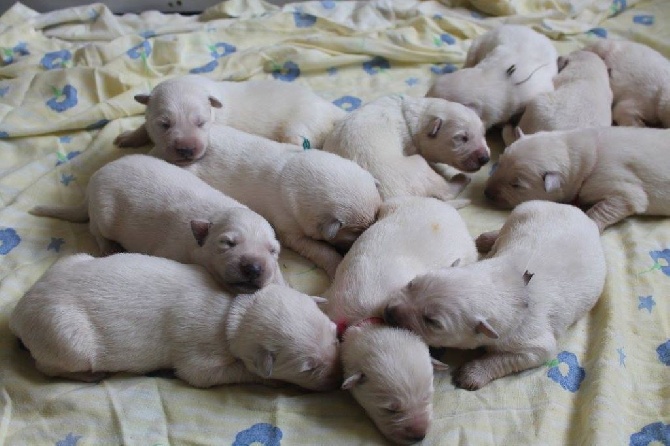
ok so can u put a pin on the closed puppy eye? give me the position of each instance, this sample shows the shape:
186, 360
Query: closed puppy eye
461, 138
228, 243
516, 184
431, 322
166, 124
200, 123
274, 251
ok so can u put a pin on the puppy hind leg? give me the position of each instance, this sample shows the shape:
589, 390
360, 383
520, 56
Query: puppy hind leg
615, 208
133, 138
320, 253
204, 372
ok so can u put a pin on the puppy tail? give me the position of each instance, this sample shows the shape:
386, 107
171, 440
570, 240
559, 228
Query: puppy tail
75, 214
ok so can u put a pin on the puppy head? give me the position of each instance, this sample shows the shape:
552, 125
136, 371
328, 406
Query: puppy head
534, 167
280, 333
333, 199
453, 134
390, 373
474, 89
240, 249
582, 65
178, 115
437, 307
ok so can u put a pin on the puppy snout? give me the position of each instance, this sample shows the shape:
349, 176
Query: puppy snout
186, 153
390, 315
417, 429
252, 270
483, 158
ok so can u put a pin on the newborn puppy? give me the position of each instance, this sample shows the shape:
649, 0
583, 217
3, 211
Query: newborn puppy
316, 201
180, 111
152, 207
640, 81
396, 137
412, 236
545, 271
582, 98
389, 373
616, 171
136, 313
505, 68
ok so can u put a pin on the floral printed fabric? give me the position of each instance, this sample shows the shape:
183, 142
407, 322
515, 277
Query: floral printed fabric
67, 81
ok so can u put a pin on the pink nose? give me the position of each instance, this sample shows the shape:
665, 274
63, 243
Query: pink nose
417, 428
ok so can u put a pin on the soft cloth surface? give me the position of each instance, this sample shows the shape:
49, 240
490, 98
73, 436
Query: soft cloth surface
67, 80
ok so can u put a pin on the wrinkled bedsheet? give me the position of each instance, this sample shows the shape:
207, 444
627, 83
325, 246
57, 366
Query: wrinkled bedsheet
67, 81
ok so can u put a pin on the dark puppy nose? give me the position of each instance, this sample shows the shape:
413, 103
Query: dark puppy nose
483, 159
389, 316
416, 438
186, 153
252, 270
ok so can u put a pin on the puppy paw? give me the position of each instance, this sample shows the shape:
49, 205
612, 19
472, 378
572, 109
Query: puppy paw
471, 376
485, 241
125, 139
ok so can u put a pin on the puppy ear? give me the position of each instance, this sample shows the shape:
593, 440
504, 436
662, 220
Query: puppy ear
200, 229
552, 181
561, 62
215, 102
142, 98
263, 362
456, 262
436, 124
527, 276
439, 366
485, 328
329, 230
308, 364
350, 382
319, 299
518, 133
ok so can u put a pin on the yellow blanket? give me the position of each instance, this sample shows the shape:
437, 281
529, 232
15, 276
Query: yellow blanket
67, 81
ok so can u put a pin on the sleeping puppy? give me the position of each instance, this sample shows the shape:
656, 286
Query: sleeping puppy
411, 236
616, 171
137, 313
152, 207
180, 111
545, 271
582, 98
640, 81
396, 137
389, 373
316, 201
505, 68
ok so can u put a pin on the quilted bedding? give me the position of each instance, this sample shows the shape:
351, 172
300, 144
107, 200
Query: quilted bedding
67, 81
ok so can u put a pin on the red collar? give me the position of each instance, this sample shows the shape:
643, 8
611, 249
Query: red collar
343, 326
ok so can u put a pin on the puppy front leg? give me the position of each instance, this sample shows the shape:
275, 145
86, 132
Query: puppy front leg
320, 253
434, 184
133, 138
205, 373
476, 374
615, 208
485, 241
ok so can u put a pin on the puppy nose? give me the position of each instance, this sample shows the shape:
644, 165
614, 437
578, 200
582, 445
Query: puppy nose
252, 270
416, 438
483, 159
389, 315
186, 153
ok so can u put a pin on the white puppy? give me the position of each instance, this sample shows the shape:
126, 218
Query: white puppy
137, 313
640, 81
389, 373
582, 98
396, 137
546, 270
505, 68
315, 200
152, 207
180, 111
412, 236
617, 171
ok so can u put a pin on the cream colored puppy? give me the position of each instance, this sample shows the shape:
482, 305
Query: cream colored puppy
582, 98
616, 171
545, 271
640, 81
505, 68
396, 137
136, 313
149, 206
389, 373
316, 201
180, 111
412, 236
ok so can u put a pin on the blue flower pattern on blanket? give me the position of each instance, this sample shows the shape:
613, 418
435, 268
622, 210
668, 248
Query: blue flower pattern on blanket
69, 440
3, 134
663, 352
646, 303
600, 32
221, 49
210, 66
288, 73
66, 179
142, 50
303, 20
618, 6
9, 239
65, 158
447, 38
56, 59
8, 54
348, 103
262, 433
572, 380
327, 4
55, 244
376, 65
63, 99
97, 124
661, 256
443, 68
3, 91
644, 19
654, 433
